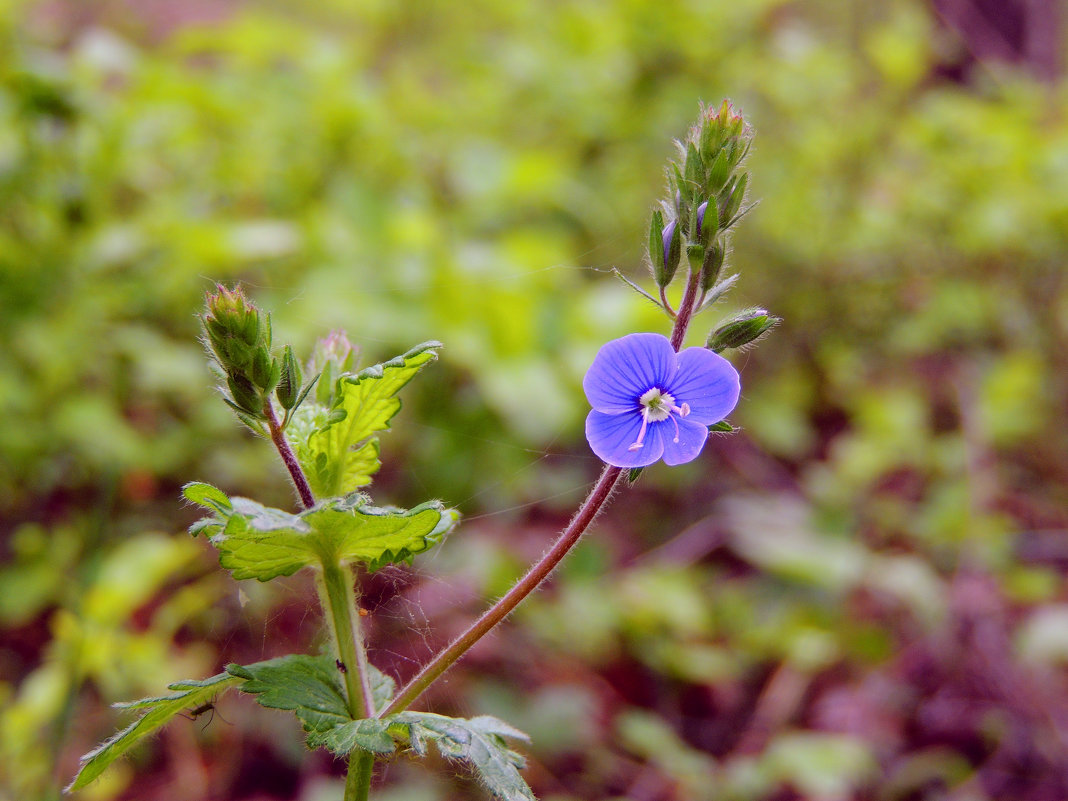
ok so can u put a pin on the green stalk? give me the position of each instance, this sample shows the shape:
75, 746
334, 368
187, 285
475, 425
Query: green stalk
358, 780
338, 597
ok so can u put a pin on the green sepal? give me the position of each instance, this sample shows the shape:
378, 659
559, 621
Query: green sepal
633, 473
656, 237
734, 202
303, 396
288, 390
695, 169
712, 265
187, 695
717, 175
721, 427
635, 287
479, 741
259, 542
718, 291
337, 447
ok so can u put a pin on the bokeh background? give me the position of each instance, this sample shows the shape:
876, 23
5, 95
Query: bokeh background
859, 596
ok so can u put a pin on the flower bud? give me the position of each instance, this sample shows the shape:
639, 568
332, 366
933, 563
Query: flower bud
742, 329
290, 380
234, 329
332, 356
706, 226
670, 254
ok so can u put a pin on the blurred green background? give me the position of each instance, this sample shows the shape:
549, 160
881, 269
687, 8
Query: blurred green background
860, 596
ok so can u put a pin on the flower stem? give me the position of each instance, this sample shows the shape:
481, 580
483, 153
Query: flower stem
686, 307
500, 610
666, 302
288, 457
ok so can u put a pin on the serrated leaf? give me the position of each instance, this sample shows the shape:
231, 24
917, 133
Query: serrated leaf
310, 686
479, 742
383, 688
256, 541
188, 695
337, 447
369, 734
206, 495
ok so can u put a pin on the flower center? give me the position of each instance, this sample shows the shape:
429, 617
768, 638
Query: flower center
657, 406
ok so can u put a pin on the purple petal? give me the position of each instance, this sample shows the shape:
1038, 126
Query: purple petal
708, 383
625, 368
692, 438
611, 435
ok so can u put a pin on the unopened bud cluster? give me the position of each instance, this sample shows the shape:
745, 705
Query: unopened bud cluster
238, 337
706, 196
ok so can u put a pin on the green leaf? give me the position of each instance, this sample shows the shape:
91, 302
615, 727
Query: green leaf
337, 447
310, 686
479, 742
206, 495
369, 734
256, 541
188, 695
383, 688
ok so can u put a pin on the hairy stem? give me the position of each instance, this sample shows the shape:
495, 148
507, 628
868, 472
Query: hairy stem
338, 597
358, 780
686, 309
501, 609
666, 302
288, 457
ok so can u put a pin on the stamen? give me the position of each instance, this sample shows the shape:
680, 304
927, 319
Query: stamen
641, 434
657, 406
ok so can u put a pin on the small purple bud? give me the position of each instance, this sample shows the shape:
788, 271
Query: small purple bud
701, 217
669, 232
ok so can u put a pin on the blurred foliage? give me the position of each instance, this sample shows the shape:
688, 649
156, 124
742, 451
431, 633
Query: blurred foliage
865, 599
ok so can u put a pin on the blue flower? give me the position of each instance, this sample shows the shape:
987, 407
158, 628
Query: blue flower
650, 402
